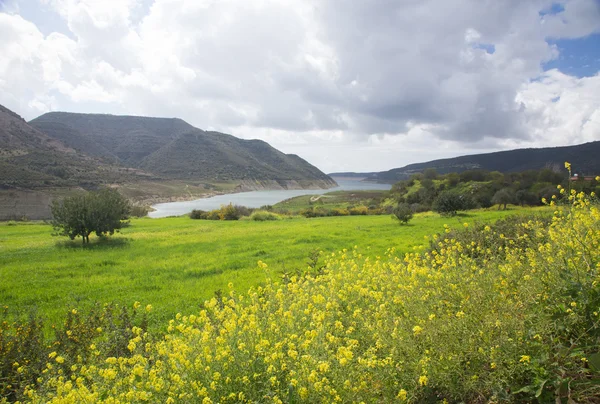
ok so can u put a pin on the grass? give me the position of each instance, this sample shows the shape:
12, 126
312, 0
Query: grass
332, 200
506, 313
177, 263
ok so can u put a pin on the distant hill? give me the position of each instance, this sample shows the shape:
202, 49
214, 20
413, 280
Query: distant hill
30, 158
585, 160
172, 148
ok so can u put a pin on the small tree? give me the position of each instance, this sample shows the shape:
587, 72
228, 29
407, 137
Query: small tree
524, 197
449, 203
504, 197
102, 212
403, 213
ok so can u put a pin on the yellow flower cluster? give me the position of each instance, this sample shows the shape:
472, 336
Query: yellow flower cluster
458, 321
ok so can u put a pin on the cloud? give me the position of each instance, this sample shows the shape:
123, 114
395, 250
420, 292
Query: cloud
562, 108
373, 74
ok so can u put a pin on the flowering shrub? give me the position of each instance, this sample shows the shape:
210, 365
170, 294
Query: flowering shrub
263, 215
459, 322
25, 353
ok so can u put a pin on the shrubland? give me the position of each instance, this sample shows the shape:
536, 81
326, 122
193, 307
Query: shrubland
483, 189
506, 313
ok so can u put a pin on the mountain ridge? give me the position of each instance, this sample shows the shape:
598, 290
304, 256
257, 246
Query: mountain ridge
583, 157
174, 149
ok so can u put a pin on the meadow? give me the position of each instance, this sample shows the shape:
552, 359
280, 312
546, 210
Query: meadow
504, 312
178, 263
333, 200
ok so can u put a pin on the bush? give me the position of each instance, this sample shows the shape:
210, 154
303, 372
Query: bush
243, 210
102, 212
339, 212
314, 212
483, 197
226, 212
358, 210
213, 215
263, 215
450, 203
403, 213
26, 352
524, 197
515, 231
198, 214
139, 211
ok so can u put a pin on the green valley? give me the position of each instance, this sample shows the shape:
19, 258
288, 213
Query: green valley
177, 263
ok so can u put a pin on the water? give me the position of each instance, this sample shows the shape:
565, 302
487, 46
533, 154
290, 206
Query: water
256, 199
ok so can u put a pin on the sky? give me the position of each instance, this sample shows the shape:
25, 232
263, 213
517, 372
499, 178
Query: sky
360, 85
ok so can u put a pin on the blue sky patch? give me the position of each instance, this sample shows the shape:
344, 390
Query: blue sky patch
554, 9
489, 48
578, 57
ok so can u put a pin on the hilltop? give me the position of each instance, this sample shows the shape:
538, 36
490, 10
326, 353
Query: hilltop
173, 149
149, 159
584, 158
32, 159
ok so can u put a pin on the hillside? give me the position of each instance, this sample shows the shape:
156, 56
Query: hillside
174, 149
30, 159
584, 158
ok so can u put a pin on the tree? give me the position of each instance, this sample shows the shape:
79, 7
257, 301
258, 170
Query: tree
101, 212
450, 202
453, 179
524, 197
403, 213
430, 173
504, 197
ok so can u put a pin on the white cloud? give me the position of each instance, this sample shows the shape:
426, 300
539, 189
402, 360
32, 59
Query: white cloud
562, 108
374, 83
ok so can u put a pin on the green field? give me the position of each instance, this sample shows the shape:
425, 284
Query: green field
177, 263
332, 200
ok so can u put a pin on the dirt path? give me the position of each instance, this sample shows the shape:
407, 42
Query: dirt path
317, 197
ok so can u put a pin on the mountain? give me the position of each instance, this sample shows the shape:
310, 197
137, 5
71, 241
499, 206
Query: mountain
173, 149
30, 158
127, 139
584, 158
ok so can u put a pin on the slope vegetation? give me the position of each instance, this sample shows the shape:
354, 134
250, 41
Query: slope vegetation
30, 158
586, 156
174, 149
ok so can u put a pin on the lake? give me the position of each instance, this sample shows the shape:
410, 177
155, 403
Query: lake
256, 199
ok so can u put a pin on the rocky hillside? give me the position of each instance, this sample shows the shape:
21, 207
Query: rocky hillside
30, 158
173, 149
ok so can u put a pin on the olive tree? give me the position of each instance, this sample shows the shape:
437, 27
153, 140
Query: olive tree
403, 213
504, 197
448, 203
102, 212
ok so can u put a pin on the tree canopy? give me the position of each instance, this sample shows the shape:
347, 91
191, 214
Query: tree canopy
102, 212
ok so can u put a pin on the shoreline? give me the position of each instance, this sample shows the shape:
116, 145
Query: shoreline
150, 202
253, 200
